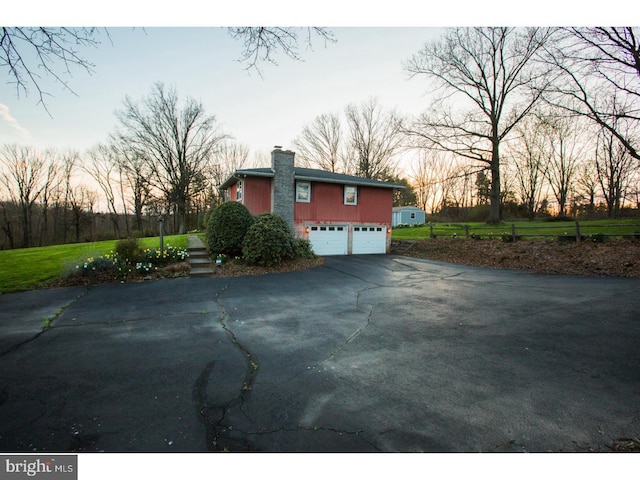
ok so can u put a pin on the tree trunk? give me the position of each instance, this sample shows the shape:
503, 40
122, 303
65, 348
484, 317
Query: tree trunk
181, 210
494, 195
26, 225
45, 224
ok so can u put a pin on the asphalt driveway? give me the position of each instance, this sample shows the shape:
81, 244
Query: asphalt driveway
363, 354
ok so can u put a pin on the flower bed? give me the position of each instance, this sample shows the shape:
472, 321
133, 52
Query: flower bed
113, 266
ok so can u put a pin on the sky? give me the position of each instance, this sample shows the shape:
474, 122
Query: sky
203, 63
188, 48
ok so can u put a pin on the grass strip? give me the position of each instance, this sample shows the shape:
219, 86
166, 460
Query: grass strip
26, 268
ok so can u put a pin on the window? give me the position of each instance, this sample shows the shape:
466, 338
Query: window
239, 190
350, 195
413, 215
303, 192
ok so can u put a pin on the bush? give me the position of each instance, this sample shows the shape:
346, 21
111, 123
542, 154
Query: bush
115, 265
129, 249
109, 264
226, 228
301, 248
268, 241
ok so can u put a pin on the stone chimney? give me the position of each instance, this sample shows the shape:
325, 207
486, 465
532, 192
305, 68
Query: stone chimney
283, 189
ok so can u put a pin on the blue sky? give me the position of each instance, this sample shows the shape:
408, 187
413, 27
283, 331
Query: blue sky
202, 62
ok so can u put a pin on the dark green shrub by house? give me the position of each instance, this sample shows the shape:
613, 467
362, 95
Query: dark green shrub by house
226, 228
301, 248
268, 241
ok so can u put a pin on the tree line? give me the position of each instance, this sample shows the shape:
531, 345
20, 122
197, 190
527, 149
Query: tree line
164, 158
520, 118
524, 116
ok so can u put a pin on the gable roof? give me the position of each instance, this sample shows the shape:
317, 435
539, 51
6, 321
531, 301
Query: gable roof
406, 207
309, 174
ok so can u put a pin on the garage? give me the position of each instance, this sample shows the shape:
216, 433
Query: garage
367, 240
329, 239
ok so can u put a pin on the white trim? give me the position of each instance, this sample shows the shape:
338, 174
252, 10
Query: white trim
308, 192
355, 194
239, 190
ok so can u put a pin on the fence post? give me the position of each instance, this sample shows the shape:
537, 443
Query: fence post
578, 236
431, 230
466, 231
513, 232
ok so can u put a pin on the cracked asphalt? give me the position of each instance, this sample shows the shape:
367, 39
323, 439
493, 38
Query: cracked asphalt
363, 354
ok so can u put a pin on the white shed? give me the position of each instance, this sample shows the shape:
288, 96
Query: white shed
408, 215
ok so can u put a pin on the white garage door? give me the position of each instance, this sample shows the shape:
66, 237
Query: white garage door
369, 240
329, 239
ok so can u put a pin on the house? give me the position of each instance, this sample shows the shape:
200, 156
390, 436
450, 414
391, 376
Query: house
339, 214
408, 215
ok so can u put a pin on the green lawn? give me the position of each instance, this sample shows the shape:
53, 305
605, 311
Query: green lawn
25, 268
524, 228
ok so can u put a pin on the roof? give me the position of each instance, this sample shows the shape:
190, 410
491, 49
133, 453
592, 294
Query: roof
406, 207
310, 174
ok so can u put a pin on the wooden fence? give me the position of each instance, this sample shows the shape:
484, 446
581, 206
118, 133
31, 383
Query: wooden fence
575, 232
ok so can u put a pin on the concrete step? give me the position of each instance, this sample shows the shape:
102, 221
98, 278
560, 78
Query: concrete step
199, 259
200, 262
200, 272
401, 246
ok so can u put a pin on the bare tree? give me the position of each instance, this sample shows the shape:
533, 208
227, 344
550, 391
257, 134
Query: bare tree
135, 174
614, 165
321, 142
262, 44
435, 177
587, 185
80, 199
423, 178
527, 157
600, 69
104, 169
566, 141
375, 137
178, 143
69, 164
29, 52
491, 75
229, 157
23, 171
51, 184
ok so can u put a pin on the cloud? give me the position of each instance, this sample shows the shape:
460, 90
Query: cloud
12, 122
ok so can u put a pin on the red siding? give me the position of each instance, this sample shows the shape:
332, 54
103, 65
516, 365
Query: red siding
257, 194
327, 205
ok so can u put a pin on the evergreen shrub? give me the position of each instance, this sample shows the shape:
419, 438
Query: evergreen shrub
226, 228
268, 241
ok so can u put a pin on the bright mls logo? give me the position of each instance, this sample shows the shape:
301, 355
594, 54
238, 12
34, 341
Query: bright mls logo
15, 467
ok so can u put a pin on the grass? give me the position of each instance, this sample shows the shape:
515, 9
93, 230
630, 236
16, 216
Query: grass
27, 268
525, 228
